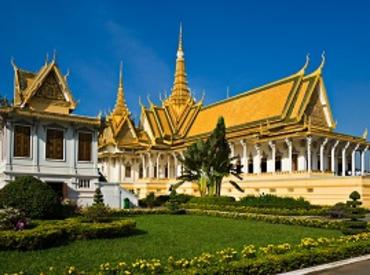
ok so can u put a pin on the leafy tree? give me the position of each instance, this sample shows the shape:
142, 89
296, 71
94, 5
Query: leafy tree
98, 197
208, 162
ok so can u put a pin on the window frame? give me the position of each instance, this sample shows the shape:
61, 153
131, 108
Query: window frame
91, 144
64, 144
80, 185
30, 138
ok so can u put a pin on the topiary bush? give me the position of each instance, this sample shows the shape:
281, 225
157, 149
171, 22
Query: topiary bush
273, 201
97, 213
30, 195
98, 197
354, 225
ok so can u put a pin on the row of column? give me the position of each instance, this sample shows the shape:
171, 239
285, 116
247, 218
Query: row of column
321, 161
153, 166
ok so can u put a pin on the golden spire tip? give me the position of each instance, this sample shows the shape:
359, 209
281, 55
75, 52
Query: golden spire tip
121, 75
323, 59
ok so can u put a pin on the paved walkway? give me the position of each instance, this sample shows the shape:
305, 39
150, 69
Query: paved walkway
360, 268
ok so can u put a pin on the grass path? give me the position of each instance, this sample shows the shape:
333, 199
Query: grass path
164, 236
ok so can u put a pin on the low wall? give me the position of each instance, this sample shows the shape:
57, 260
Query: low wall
323, 189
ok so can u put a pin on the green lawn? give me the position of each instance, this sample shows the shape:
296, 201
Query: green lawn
164, 236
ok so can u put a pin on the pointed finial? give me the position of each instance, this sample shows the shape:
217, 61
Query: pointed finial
12, 61
140, 102
54, 55
365, 134
323, 58
148, 99
180, 36
46, 59
180, 53
307, 61
121, 75
203, 95
67, 74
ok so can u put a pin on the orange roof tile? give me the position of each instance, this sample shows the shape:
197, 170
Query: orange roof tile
267, 102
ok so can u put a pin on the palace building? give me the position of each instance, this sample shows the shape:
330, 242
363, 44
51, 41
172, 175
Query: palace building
40, 137
283, 132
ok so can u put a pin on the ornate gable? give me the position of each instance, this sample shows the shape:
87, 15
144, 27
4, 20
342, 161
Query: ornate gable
44, 91
50, 89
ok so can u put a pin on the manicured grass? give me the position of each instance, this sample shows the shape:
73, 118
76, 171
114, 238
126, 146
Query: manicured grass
164, 236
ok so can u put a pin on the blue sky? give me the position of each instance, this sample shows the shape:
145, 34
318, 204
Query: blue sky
235, 44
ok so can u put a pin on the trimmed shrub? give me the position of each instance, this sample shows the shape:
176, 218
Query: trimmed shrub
30, 195
272, 201
97, 213
319, 223
338, 211
354, 225
258, 210
48, 235
150, 201
213, 200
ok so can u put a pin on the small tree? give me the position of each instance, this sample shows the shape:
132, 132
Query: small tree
208, 162
98, 197
354, 225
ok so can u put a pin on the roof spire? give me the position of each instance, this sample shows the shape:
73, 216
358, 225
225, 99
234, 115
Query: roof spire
323, 59
121, 75
180, 94
121, 107
180, 53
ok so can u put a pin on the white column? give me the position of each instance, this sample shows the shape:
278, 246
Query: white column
175, 165
322, 150
144, 165
273, 156
354, 160
309, 154
120, 168
344, 159
168, 166
257, 160
245, 156
151, 166
158, 159
333, 162
289, 143
363, 154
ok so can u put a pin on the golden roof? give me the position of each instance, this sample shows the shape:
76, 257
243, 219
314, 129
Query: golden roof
289, 103
47, 90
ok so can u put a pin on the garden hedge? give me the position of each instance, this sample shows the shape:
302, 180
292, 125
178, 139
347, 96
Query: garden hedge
47, 235
258, 210
319, 223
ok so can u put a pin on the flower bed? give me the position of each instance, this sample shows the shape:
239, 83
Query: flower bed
270, 218
270, 259
258, 210
53, 234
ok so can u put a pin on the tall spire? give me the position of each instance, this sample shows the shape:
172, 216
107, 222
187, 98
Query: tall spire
180, 94
120, 108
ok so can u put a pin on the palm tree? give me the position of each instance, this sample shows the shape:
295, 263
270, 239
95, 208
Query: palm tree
208, 162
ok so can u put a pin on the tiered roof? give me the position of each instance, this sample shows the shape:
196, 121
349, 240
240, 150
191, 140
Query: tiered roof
294, 104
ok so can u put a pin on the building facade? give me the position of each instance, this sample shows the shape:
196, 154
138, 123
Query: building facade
39, 136
283, 132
